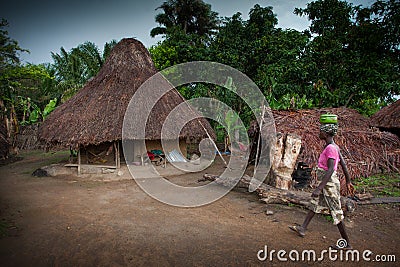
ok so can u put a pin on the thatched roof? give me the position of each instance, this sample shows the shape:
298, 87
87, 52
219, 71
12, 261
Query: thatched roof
388, 117
96, 113
367, 151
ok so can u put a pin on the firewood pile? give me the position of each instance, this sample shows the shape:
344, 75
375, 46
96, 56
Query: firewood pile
367, 150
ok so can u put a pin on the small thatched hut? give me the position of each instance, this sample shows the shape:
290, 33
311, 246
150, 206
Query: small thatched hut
92, 119
388, 118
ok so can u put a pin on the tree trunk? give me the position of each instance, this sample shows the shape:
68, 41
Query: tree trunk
286, 152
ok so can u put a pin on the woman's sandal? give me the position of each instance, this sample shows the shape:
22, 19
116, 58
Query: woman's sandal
297, 230
340, 248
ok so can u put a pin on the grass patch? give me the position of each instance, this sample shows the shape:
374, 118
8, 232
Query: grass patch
379, 185
328, 217
45, 155
40, 158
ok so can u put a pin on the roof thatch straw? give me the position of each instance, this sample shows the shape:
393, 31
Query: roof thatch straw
388, 117
366, 151
4, 144
96, 113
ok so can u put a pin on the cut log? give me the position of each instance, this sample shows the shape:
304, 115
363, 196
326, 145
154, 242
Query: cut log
272, 195
267, 193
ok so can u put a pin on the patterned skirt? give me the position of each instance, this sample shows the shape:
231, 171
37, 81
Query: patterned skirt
328, 201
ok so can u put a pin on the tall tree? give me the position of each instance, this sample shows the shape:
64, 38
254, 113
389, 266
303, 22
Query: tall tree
270, 56
9, 66
191, 16
353, 52
188, 28
9, 48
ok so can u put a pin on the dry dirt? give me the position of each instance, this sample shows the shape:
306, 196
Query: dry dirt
75, 221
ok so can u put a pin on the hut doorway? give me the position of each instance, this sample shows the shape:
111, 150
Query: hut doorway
105, 155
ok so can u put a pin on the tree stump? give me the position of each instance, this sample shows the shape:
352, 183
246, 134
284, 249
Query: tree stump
287, 150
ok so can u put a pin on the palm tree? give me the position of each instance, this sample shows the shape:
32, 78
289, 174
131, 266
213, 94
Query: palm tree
191, 16
73, 69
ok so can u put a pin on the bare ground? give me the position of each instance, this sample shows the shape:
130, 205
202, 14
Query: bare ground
76, 221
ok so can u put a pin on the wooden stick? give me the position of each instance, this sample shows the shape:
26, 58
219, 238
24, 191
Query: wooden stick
259, 139
79, 160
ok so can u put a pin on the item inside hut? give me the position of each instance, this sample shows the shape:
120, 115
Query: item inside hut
156, 157
175, 156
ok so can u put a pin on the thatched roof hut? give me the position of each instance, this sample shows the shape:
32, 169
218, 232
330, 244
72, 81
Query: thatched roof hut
388, 118
95, 114
367, 151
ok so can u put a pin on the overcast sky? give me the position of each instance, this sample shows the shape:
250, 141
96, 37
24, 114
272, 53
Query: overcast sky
45, 26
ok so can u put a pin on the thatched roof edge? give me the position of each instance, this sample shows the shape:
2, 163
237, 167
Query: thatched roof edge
388, 117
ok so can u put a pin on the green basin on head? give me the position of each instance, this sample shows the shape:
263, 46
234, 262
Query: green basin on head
328, 118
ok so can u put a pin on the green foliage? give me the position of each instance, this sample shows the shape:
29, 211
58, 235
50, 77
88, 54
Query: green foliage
30, 92
192, 17
188, 28
34, 116
178, 47
379, 185
32, 112
22, 89
164, 56
355, 54
74, 68
348, 57
49, 107
9, 48
328, 218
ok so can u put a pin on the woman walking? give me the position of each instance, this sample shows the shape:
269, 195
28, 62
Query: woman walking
326, 197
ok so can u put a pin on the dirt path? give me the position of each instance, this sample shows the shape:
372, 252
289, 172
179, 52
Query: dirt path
70, 221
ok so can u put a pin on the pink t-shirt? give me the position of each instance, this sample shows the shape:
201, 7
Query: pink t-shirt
330, 152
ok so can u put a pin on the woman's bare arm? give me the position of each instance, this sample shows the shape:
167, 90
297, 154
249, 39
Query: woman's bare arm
344, 167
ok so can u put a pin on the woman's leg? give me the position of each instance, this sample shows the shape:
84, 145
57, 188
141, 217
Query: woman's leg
343, 233
301, 230
307, 220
